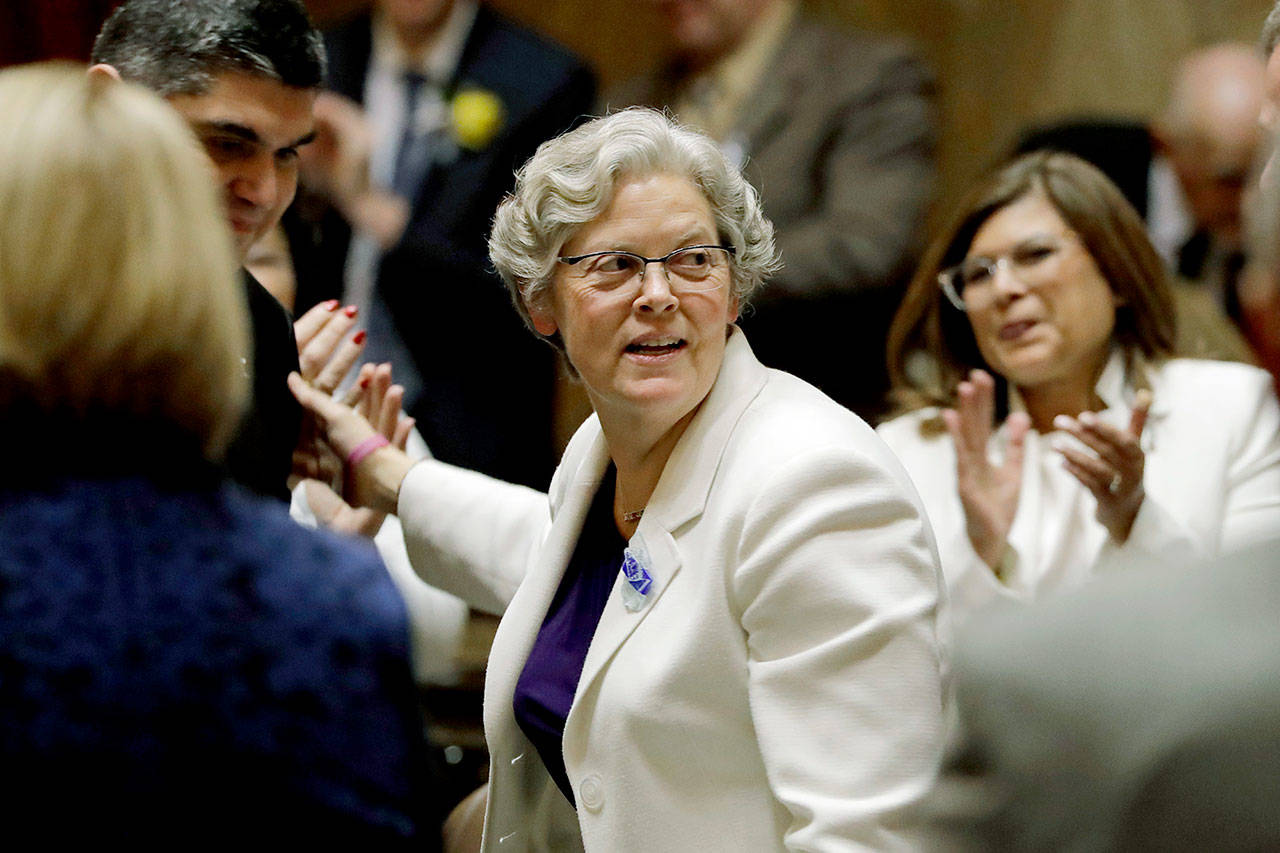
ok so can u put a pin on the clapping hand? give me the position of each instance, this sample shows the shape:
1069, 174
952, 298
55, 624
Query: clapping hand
1114, 475
988, 492
344, 427
325, 353
378, 402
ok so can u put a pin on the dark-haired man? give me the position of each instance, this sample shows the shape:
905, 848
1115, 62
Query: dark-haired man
244, 74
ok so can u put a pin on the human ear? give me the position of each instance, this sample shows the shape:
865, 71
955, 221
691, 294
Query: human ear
541, 314
104, 70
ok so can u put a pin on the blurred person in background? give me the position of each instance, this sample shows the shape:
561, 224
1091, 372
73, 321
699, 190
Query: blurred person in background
1049, 430
433, 105
1186, 173
180, 660
836, 131
1260, 298
1138, 713
730, 572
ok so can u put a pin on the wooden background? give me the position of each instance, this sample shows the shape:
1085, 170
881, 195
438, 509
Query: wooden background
1001, 64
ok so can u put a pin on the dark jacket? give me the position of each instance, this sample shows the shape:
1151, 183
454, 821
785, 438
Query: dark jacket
261, 453
488, 382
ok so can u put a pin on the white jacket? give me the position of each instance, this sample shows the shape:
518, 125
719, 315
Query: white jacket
780, 687
1212, 482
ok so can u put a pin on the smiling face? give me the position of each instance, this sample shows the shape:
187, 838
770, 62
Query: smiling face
649, 357
1046, 322
251, 127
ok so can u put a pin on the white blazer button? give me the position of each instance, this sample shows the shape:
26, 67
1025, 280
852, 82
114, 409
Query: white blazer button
591, 793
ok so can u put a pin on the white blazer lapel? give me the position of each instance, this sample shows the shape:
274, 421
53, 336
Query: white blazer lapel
680, 496
523, 616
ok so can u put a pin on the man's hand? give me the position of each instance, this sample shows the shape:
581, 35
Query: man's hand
336, 165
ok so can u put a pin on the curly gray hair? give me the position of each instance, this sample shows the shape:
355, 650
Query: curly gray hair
571, 180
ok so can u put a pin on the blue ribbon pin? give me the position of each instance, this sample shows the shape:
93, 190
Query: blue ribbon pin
636, 574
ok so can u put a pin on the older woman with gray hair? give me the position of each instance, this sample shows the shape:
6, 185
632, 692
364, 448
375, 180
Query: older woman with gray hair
718, 626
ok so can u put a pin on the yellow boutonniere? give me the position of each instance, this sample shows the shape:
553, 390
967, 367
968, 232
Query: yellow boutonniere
477, 116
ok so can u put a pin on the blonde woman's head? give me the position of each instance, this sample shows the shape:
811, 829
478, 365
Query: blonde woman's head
118, 284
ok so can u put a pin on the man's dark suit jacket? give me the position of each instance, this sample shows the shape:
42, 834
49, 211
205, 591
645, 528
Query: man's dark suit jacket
261, 453
488, 381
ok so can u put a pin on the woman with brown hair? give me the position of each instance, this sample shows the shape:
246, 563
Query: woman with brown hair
1043, 417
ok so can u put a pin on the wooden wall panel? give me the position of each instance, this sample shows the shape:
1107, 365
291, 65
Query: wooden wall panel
1001, 64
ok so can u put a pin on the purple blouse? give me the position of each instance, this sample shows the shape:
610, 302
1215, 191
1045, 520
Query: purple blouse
546, 686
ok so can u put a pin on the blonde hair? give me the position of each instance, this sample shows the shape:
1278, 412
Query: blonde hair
118, 284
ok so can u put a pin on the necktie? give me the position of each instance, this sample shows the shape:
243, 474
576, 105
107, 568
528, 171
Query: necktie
414, 152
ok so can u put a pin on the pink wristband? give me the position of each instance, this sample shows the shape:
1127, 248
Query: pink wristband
364, 448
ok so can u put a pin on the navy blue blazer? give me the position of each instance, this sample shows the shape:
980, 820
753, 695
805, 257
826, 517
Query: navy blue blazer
182, 662
488, 381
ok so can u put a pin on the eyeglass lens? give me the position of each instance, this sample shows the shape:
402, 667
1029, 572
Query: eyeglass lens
689, 269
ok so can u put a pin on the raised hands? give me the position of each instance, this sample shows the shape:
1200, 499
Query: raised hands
375, 481
988, 492
1113, 472
336, 165
380, 403
325, 353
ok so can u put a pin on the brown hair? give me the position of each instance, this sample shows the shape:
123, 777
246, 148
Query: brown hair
1110, 230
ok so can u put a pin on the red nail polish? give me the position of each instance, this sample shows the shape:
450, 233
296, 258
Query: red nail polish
364, 383
331, 305
351, 310
359, 337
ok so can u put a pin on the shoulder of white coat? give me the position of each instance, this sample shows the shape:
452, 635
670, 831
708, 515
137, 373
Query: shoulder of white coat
790, 417
1201, 382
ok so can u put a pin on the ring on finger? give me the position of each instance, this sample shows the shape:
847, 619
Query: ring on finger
1114, 486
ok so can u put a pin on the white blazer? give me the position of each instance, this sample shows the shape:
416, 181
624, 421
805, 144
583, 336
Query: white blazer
1212, 481
780, 687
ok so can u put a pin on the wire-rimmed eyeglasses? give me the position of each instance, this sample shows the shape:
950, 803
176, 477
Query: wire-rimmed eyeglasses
689, 269
1033, 261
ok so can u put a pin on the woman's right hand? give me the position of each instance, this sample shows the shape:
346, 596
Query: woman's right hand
375, 482
988, 492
